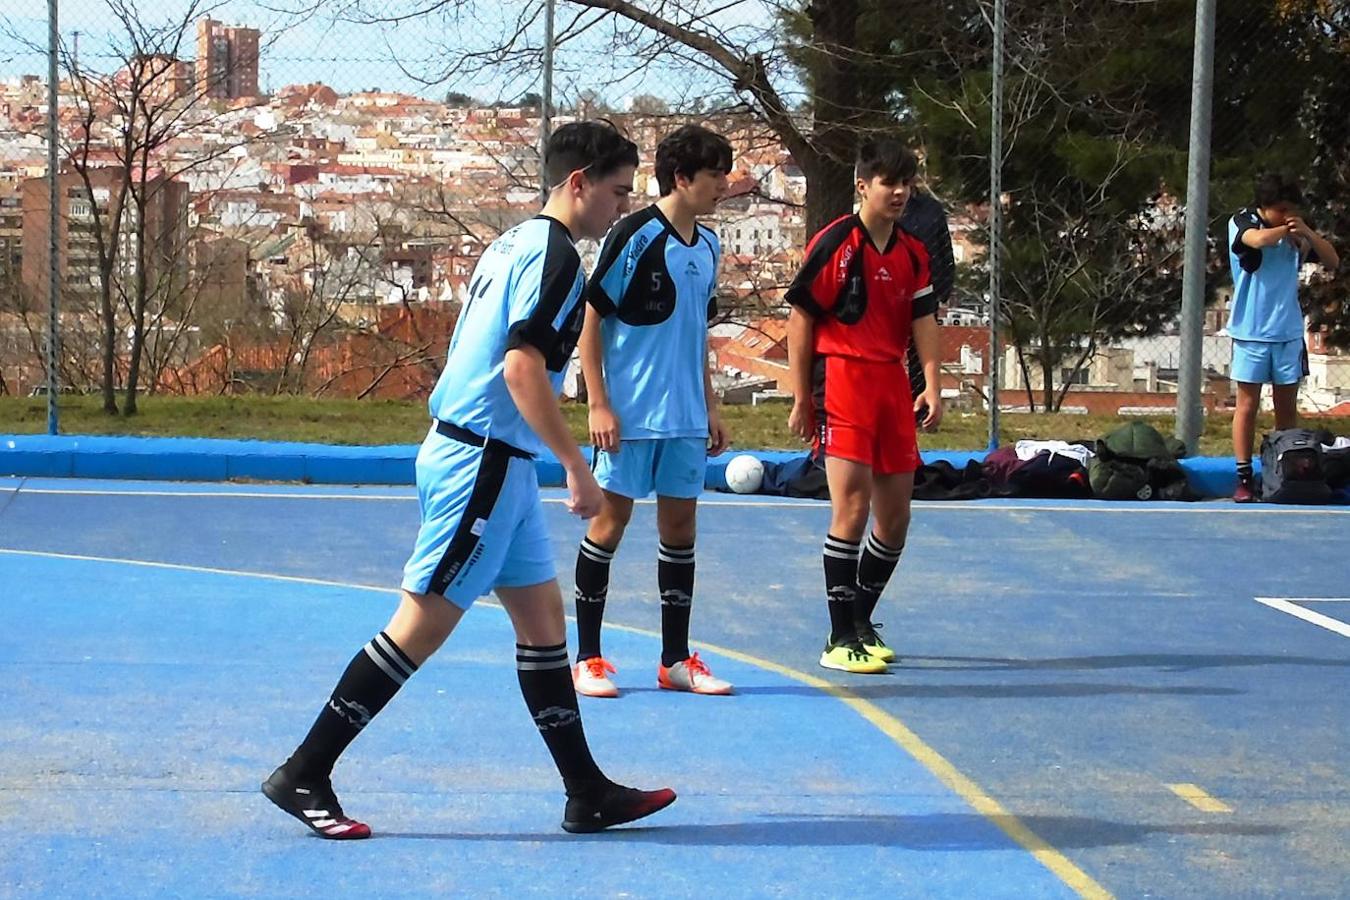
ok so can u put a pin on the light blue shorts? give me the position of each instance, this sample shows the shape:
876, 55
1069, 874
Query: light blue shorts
672, 467
482, 523
1269, 362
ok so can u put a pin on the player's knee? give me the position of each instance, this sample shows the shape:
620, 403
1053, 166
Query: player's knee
536, 613
892, 529
607, 531
677, 534
850, 516
422, 623
678, 526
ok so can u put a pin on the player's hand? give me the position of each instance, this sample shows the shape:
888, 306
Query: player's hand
1299, 228
802, 421
719, 438
604, 427
931, 400
584, 497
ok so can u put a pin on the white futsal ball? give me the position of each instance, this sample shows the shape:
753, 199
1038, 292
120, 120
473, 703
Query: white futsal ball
745, 474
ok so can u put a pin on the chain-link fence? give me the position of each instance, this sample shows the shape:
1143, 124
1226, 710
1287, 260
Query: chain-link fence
256, 197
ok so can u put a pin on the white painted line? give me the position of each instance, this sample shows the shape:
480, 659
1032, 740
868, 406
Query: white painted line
1307, 615
713, 500
296, 495
250, 495
1309, 599
184, 568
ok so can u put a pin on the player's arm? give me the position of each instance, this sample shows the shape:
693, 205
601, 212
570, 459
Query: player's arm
801, 357
719, 437
1322, 250
924, 334
541, 309
929, 345
531, 390
604, 292
812, 294
1259, 238
602, 422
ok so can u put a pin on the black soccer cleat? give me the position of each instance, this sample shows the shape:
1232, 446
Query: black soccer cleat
315, 804
613, 805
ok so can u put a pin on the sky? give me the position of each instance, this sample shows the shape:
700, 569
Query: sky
351, 57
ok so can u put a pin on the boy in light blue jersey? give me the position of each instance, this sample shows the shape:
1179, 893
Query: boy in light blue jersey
653, 413
494, 407
1268, 244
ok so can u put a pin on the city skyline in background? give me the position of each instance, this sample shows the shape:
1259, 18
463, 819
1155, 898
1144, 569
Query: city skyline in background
347, 56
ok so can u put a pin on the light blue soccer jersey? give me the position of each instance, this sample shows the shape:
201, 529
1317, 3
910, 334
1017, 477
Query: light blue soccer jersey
657, 294
1265, 285
526, 289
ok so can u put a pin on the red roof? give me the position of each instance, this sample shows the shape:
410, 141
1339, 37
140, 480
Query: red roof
1340, 409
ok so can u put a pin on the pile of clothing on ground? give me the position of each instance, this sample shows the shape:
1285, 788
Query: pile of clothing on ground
1133, 462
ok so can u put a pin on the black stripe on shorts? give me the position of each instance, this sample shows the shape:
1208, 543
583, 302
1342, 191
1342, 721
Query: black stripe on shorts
487, 487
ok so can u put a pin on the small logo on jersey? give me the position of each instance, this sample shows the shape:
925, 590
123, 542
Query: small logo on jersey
883, 274
845, 258
479, 526
630, 263
691, 268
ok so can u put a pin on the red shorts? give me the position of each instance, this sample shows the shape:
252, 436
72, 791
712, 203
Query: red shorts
864, 413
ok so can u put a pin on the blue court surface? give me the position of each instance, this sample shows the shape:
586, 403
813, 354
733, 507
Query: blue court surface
1094, 699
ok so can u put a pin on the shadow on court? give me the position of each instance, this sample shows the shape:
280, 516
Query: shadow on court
1173, 662
946, 832
885, 691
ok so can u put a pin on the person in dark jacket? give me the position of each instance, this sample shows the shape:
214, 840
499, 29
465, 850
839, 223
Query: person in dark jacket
926, 219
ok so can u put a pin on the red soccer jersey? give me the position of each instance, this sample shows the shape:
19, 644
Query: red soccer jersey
864, 301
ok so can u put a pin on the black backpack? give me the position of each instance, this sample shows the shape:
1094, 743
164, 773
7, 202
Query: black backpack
1292, 469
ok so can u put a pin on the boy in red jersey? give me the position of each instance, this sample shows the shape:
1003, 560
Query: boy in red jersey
863, 292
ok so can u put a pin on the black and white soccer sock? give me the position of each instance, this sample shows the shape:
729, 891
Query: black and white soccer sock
1244, 471
876, 564
592, 580
841, 586
675, 579
546, 684
370, 681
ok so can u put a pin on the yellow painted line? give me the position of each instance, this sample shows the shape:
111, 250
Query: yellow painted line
1199, 798
1059, 865
954, 779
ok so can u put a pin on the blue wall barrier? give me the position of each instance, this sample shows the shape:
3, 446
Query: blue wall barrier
209, 459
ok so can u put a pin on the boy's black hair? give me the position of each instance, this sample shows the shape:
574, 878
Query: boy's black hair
1274, 188
597, 148
886, 158
688, 150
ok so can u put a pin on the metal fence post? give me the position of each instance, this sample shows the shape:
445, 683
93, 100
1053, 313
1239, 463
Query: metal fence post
53, 219
1190, 374
995, 367
546, 99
